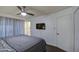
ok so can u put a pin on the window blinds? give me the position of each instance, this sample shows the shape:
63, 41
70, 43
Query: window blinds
11, 27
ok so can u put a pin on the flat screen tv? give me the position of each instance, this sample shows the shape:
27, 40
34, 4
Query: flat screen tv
40, 26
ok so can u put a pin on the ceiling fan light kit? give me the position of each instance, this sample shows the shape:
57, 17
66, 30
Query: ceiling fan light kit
23, 14
23, 11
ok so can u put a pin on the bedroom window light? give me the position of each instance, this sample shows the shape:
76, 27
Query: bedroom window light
27, 27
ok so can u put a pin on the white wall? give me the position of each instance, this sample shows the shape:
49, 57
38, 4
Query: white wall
50, 33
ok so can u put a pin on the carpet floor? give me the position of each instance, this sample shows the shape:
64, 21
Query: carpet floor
53, 49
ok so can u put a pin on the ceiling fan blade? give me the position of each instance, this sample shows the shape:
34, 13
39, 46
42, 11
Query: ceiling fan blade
19, 8
23, 7
18, 13
30, 14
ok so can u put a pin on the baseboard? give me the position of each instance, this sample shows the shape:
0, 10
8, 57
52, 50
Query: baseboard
51, 44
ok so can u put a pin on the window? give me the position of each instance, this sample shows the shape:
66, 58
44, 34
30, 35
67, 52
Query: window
11, 27
27, 26
18, 27
2, 27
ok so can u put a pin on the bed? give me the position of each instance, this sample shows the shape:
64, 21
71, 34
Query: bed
23, 43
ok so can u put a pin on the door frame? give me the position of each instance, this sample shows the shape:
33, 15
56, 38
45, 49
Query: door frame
74, 42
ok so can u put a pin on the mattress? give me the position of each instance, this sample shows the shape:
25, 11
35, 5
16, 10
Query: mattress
26, 43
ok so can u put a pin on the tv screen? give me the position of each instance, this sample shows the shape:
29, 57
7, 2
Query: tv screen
40, 26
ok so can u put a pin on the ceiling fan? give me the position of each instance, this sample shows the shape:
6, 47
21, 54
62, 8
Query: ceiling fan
23, 12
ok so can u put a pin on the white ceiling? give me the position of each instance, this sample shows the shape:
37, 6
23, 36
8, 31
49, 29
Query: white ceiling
49, 9
37, 10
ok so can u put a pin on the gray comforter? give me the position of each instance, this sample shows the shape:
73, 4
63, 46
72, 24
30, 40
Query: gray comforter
26, 43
